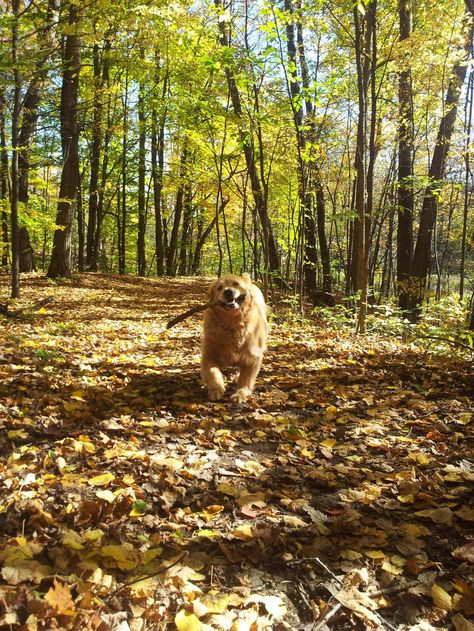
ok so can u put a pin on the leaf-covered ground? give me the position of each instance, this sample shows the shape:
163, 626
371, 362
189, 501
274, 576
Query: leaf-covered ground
340, 497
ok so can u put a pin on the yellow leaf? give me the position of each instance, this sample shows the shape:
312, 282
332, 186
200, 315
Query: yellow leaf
59, 598
73, 540
17, 433
211, 512
25, 570
375, 554
211, 603
208, 533
441, 598
390, 568
78, 394
185, 621
229, 489
82, 446
328, 443
124, 554
350, 555
406, 499
101, 480
94, 535
105, 494
250, 466
243, 532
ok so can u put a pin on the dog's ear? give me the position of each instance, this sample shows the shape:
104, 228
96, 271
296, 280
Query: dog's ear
247, 278
211, 290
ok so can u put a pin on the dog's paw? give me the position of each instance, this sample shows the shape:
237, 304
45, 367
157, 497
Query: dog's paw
240, 396
216, 392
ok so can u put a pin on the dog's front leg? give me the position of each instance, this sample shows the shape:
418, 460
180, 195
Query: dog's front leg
213, 379
246, 381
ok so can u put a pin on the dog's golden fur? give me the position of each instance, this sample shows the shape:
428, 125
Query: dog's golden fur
235, 334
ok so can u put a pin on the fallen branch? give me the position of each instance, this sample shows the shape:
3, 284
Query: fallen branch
188, 313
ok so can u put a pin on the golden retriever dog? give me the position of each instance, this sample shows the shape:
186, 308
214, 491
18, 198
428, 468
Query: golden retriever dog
235, 334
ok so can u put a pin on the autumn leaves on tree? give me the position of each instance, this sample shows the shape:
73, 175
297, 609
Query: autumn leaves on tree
314, 144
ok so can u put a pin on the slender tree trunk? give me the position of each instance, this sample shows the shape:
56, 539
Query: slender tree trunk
249, 154
4, 181
421, 256
141, 250
157, 169
316, 179
122, 209
467, 177
185, 245
405, 166
61, 259
96, 144
363, 37
81, 229
28, 128
178, 211
15, 285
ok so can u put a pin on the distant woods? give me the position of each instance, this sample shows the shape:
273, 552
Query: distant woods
324, 147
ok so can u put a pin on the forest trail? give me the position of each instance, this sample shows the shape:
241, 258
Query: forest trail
128, 501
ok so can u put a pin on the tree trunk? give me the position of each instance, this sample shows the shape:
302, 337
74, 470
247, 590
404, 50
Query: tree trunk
28, 127
316, 180
178, 211
405, 166
61, 259
141, 250
157, 169
30, 115
185, 246
99, 68
363, 37
249, 154
122, 202
467, 177
15, 285
4, 181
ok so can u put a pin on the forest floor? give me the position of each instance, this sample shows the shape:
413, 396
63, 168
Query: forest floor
339, 497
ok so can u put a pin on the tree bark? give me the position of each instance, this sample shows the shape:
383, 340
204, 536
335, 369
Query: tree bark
101, 63
316, 180
61, 259
15, 239
141, 249
4, 182
405, 166
178, 211
157, 169
364, 25
185, 246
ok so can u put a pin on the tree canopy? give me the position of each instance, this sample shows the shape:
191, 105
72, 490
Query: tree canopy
253, 135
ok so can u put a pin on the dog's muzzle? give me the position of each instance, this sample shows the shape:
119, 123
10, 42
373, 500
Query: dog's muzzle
231, 300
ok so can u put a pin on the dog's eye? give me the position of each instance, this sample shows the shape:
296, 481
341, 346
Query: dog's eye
219, 286
235, 284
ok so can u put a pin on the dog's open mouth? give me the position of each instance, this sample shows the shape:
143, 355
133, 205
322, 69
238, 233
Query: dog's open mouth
233, 304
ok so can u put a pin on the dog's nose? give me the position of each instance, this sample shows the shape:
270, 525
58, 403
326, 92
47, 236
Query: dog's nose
229, 295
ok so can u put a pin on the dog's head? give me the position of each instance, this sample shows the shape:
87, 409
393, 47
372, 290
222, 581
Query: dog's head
230, 292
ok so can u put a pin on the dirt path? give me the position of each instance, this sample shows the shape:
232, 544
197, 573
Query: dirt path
127, 500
